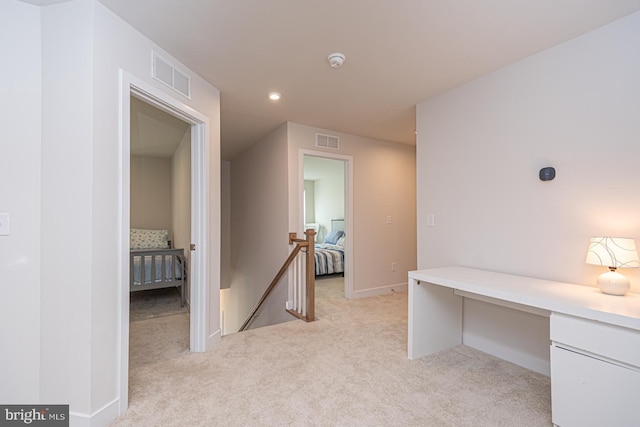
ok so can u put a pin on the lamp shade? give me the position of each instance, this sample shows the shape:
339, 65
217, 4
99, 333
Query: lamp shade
613, 252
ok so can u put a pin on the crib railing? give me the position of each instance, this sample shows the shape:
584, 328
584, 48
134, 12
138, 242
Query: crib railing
301, 264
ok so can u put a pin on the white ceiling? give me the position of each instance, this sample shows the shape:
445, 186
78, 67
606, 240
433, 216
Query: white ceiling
154, 133
399, 53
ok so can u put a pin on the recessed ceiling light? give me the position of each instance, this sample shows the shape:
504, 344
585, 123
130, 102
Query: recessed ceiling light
274, 96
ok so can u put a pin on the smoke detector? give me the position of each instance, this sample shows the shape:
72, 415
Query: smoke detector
336, 60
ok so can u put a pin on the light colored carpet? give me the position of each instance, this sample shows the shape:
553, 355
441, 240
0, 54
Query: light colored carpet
348, 368
154, 303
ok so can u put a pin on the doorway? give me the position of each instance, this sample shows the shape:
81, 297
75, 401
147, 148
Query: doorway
199, 326
160, 215
326, 206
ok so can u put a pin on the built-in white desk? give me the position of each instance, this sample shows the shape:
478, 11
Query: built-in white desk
595, 338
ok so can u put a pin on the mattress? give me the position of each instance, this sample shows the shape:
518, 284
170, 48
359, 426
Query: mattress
329, 259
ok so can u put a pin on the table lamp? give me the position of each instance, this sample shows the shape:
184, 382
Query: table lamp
613, 252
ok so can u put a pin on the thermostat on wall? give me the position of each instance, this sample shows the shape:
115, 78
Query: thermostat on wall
547, 174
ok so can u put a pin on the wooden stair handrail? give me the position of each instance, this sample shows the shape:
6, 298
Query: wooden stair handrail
300, 243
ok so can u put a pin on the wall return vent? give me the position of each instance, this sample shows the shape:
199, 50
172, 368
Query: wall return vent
166, 73
327, 141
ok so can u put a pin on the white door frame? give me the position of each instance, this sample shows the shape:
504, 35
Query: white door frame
199, 268
348, 209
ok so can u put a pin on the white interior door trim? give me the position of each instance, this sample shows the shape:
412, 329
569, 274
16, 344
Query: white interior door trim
348, 214
199, 296
199, 335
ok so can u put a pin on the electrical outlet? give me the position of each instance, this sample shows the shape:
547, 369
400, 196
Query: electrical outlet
431, 220
393, 266
388, 219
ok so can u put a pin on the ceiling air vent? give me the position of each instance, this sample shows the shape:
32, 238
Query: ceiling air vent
166, 73
327, 141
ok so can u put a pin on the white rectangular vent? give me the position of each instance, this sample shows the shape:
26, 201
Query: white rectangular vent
327, 141
164, 72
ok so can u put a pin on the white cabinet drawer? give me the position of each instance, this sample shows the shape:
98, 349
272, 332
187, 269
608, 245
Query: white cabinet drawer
586, 391
613, 342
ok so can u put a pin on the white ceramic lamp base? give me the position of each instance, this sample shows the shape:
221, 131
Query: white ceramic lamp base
613, 283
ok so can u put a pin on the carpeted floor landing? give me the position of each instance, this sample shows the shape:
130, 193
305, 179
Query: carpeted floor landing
348, 368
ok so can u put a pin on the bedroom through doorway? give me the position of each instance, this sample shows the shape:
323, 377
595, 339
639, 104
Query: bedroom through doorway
160, 231
325, 209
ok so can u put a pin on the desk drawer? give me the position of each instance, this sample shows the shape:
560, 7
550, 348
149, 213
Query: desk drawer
614, 342
588, 392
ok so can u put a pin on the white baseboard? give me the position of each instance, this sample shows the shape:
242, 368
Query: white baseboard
509, 354
213, 339
102, 417
382, 290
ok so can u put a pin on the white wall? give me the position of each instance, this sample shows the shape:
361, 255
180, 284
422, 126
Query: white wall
20, 190
67, 240
225, 225
259, 232
575, 107
309, 201
383, 185
64, 253
151, 193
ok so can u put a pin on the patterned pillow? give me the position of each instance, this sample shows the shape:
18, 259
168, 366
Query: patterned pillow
340, 241
148, 239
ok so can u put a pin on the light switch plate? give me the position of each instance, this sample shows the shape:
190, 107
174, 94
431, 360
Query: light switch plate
4, 224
